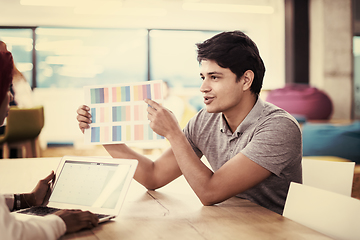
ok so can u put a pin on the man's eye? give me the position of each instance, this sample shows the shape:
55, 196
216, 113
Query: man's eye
213, 77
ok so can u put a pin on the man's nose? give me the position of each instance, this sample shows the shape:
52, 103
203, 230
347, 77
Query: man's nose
205, 86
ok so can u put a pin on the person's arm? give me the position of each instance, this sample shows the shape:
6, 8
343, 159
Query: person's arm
151, 174
236, 176
47, 228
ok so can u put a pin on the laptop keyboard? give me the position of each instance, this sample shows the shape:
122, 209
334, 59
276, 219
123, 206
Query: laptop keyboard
43, 211
39, 211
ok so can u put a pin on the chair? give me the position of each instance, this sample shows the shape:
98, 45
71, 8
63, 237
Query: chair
22, 130
329, 175
332, 214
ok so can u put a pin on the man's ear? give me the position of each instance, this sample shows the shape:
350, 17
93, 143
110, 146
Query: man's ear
248, 79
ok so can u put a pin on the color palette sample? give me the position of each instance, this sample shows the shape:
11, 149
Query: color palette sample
119, 113
121, 94
99, 95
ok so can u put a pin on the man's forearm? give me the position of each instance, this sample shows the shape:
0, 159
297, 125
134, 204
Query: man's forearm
195, 171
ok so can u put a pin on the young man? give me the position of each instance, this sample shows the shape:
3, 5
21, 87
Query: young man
253, 147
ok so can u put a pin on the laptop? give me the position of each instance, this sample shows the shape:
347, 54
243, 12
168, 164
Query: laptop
96, 184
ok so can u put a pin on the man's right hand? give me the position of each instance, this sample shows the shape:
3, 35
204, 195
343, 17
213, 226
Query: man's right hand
83, 117
76, 220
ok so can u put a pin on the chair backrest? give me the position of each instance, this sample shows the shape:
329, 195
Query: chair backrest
333, 214
329, 175
23, 124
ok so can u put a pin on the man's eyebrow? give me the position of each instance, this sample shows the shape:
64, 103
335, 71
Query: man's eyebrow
211, 73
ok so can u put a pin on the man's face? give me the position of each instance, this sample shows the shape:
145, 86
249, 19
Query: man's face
221, 91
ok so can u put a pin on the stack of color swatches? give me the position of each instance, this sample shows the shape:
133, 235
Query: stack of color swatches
119, 113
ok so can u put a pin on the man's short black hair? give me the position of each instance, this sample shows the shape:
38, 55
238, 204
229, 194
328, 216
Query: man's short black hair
236, 51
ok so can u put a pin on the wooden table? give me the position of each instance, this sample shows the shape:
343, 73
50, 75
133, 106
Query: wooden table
172, 212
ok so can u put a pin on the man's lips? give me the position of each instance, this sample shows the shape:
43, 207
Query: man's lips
208, 100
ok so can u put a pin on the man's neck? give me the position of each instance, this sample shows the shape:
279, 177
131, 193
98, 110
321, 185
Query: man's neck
236, 116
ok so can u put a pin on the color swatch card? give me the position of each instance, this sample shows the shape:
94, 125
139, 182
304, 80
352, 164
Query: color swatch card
119, 113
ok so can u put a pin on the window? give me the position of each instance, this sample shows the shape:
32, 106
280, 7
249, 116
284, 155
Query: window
20, 43
73, 58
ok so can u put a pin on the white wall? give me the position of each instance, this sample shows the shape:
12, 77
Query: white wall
331, 54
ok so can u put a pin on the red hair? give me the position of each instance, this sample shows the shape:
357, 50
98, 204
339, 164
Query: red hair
6, 73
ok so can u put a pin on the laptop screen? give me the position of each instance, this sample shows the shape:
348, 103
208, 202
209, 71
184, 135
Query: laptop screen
91, 184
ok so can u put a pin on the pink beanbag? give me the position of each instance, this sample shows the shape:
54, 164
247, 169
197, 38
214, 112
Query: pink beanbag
302, 100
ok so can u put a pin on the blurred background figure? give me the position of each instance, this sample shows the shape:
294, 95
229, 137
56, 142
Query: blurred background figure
181, 108
173, 102
21, 90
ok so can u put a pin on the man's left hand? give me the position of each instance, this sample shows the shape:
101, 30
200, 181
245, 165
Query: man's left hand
162, 120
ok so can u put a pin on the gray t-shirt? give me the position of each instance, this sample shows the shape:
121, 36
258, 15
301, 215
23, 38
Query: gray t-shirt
269, 136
